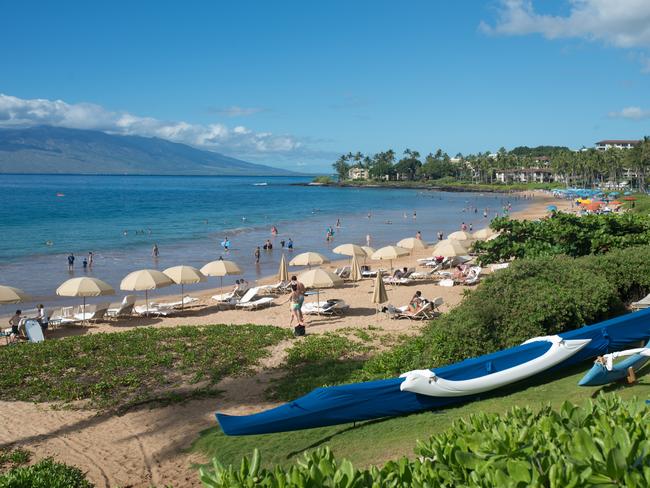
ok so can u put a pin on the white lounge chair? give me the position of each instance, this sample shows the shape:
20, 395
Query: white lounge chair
124, 310
424, 312
153, 311
333, 306
187, 300
254, 304
279, 287
97, 312
343, 272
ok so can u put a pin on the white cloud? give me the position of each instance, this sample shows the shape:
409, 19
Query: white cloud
632, 113
239, 141
620, 23
235, 111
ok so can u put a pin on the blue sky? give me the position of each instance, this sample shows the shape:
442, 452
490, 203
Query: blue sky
294, 83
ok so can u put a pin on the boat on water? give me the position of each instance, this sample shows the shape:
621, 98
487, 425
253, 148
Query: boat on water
605, 370
261, 184
423, 390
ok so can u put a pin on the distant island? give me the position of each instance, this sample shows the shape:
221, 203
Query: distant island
46, 149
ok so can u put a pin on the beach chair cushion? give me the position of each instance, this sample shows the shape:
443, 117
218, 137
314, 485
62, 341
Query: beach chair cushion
260, 302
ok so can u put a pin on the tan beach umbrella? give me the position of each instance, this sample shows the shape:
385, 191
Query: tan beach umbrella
483, 233
145, 280
389, 253
319, 278
283, 272
349, 250
412, 243
84, 287
460, 235
184, 275
308, 259
368, 250
220, 268
355, 269
449, 248
379, 296
9, 294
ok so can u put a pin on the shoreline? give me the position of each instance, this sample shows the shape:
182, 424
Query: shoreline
453, 188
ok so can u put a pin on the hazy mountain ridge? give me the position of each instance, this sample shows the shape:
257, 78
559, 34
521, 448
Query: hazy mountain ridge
47, 149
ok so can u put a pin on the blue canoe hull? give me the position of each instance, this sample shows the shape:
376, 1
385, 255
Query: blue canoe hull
379, 399
599, 375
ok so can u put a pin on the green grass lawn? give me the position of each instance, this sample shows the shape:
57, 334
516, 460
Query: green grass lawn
375, 442
128, 368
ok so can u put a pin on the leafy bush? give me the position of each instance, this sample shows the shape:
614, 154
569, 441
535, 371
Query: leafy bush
323, 180
564, 234
607, 443
131, 367
532, 297
45, 474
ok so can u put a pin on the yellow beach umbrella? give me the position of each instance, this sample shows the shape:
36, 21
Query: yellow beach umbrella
308, 259
449, 248
349, 250
221, 268
389, 253
355, 269
319, 278
184, 275
412, 243
379, 295
9, 294
145, 280
483, 234
283, 272
84, 287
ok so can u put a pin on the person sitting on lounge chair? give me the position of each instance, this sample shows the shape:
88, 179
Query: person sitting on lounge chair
416, 302
400, 272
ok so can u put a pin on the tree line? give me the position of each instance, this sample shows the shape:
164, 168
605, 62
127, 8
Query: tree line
585, 167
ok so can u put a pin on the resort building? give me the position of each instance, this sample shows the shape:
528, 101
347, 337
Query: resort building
357, 173
619, 144
525, 175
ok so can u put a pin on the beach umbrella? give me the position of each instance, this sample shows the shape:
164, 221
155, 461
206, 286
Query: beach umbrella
369, 252
184, 275
379, 296
483, 233
283, 272
550, 208
355, 270
84, 287
627, 193
412, 243
319, 278
615, 202
145, 280
389, 253
460, 235
614, 193
221, 268
349, 250
629, 199
449, 248
9, 294
308, 259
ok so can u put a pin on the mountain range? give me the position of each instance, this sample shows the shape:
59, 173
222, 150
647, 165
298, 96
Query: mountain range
47, 149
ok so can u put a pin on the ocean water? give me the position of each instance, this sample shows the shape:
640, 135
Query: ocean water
120, 218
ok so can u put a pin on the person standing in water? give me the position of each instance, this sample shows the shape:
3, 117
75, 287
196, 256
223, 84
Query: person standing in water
418, 235
257, 255
70, 262
155, 252
338, 222
368, 240
91, 259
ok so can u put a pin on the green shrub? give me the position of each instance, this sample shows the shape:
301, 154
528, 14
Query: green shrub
607, 443
564, 234
323, 180
45, 474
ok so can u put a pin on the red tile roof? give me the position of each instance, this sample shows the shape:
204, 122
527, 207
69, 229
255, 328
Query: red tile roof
617, 141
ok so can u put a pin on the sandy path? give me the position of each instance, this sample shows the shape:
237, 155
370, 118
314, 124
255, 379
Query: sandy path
145, 447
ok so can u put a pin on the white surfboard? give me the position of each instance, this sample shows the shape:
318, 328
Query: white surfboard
34, 331
426, 382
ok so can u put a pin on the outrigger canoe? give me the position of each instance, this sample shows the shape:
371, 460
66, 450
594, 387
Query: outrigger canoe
605, 371
424, 390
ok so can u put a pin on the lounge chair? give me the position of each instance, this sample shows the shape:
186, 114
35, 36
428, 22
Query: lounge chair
473, 277
366, 272
497, 266
153, 311
97, 313
124, 310
279, 287
343, 272
405, 279
61, 316
255, 304
423, 313
423, 275
187, 300
333, 306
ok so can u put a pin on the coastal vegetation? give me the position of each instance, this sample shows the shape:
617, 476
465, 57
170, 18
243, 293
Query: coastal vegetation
602, 443
16, 472
134, 367
564, 233
584, 168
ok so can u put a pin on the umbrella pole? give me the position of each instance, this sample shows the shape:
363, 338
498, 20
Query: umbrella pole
146, 300
84, 310
182, 296
221, 278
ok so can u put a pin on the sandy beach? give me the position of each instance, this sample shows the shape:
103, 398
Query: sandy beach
146, 446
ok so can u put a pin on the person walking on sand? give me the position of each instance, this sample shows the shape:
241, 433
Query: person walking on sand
70, 262
295, 305
257, 255
368, 240
155, 252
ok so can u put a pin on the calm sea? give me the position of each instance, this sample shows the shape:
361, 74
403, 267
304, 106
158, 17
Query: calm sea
120, 218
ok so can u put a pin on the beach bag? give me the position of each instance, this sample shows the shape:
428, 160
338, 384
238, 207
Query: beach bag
299, 330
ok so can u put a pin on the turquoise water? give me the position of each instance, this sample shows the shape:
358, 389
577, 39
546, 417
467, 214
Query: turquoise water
119, 218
